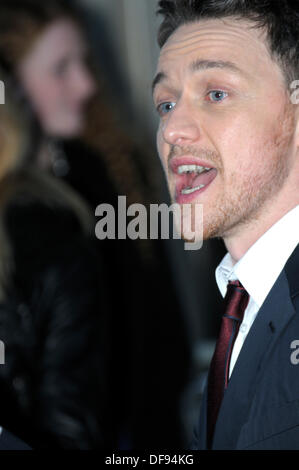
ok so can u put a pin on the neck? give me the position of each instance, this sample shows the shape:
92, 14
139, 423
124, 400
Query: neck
244, 237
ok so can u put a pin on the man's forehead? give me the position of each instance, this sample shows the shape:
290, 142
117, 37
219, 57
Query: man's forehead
228, 43
216, 30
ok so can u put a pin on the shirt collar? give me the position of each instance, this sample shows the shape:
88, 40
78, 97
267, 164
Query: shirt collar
261, 265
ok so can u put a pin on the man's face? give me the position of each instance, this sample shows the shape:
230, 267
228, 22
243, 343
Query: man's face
223, 105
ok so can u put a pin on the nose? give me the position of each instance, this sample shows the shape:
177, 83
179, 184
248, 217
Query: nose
181, 126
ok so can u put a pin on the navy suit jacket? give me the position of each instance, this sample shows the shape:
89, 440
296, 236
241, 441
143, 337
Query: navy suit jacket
10, 442
260, 407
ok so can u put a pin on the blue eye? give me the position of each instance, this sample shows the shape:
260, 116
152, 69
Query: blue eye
217, 98
165, 108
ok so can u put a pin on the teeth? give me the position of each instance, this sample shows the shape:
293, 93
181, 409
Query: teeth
191, 190
191, 169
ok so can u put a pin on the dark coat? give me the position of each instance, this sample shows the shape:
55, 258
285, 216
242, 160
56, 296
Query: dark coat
50, 384
148, 355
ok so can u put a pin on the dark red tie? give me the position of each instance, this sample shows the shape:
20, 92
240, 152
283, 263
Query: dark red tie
235, 303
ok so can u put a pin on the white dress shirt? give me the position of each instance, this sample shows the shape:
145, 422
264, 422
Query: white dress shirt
258, 270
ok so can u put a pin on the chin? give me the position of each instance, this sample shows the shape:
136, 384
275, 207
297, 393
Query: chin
213, 231
65, 130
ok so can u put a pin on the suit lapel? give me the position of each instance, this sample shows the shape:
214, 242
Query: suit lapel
291, 270
275, 313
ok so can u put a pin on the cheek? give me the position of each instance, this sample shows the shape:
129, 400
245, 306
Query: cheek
163, 148
45, 97
257, 150
242, 143
159, 142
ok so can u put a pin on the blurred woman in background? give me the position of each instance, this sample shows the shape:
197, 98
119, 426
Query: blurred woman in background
50, 306
43, 46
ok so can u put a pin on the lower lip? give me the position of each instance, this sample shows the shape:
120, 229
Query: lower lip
188, 198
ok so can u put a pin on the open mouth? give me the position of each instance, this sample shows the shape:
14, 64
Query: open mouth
191, 179
195, 177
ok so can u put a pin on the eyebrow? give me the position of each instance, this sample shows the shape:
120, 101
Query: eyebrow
201, 64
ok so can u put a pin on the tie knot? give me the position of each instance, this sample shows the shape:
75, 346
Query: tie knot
236, 284
236, 301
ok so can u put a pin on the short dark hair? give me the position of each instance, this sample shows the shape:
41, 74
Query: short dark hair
279, 18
